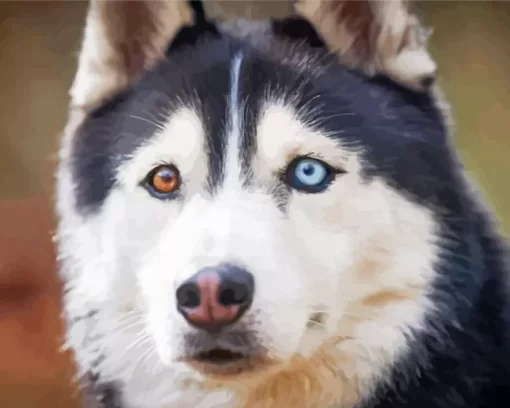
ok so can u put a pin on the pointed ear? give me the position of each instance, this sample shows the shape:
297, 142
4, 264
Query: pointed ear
121, 39
376, 36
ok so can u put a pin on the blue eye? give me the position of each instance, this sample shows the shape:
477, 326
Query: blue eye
309, 175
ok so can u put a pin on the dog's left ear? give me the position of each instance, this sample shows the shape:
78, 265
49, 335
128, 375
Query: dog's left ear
376, 36
121, 39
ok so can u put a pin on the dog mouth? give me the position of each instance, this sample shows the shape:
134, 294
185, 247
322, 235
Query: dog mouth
220, 356
226, 354
226, 364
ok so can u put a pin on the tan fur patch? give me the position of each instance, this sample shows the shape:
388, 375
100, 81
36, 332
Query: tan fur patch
339, 373
312, 382
385, 298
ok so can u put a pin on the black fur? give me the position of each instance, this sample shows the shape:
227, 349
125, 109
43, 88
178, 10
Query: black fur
462, 358
117, 128
297, 28
97, 394
192, 34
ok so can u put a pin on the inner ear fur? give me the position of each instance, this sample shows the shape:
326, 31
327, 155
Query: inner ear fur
376, 36
121, 39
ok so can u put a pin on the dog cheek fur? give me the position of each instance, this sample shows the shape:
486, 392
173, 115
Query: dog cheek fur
366, 258
376, 301
109, 317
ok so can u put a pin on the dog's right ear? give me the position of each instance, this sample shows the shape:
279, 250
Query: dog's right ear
121, 39
374, 36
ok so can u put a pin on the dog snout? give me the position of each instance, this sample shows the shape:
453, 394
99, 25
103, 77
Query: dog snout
216, 296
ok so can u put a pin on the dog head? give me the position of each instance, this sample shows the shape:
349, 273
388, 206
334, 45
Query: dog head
242, 204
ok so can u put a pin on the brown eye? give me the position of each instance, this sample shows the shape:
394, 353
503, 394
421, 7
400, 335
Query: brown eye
163, 180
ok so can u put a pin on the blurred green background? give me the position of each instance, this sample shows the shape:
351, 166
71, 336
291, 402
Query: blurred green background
39, 42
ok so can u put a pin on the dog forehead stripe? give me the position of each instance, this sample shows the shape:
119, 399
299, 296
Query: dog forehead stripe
232, 163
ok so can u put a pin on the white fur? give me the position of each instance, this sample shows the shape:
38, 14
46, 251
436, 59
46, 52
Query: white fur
127, 261
348, 225
233, 167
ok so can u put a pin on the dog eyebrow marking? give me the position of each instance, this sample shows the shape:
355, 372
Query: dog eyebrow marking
232, 161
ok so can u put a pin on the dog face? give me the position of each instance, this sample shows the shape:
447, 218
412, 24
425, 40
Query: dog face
245, 216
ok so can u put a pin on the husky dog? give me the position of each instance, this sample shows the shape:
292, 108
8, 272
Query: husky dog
270, 214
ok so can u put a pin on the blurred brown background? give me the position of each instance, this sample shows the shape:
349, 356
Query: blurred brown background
39, 42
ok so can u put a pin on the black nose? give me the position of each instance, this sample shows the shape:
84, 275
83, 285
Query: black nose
216, 297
